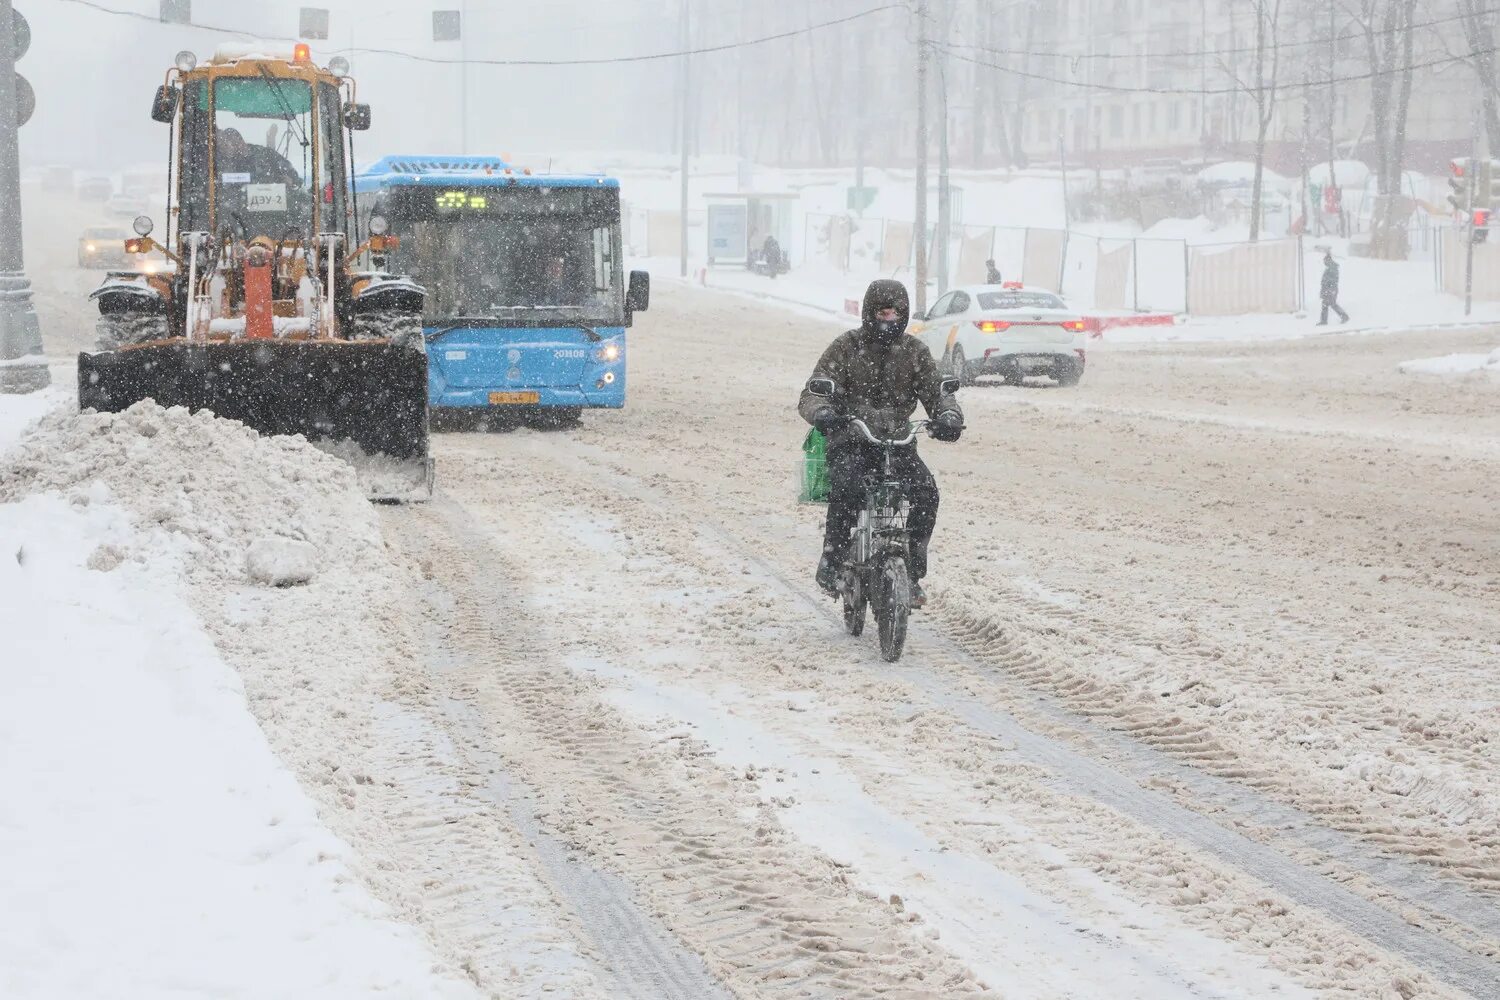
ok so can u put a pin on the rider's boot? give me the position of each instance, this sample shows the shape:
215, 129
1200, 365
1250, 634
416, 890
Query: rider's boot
918, 595
828, 575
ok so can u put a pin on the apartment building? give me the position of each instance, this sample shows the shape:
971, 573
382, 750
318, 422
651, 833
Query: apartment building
1125, 82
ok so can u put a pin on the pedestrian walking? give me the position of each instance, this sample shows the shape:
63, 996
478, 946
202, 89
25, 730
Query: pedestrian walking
1331, 290
991, 273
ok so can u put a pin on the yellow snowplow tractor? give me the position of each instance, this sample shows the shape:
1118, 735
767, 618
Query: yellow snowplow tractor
261, 311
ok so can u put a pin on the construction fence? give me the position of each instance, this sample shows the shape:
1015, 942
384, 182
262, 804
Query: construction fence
1105, 273
1451, 265
1115, 274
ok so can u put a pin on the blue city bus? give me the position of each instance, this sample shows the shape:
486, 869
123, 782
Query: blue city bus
527, 299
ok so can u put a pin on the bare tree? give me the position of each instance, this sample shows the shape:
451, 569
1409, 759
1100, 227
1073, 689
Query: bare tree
1478, 21
1262, 89
1390, 39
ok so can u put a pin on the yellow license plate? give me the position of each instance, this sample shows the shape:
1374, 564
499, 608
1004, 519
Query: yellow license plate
515, 398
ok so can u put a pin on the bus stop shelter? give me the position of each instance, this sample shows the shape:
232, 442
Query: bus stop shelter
739, 222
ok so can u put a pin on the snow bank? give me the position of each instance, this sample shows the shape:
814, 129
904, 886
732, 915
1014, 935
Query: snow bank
19, 411
1455, 364
184, 473
153, 845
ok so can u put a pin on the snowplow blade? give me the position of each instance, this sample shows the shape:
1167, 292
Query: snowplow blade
366, 403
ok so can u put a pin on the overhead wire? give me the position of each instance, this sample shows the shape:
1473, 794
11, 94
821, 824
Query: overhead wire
438, 60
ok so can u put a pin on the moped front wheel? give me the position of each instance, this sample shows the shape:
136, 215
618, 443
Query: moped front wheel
893, 608
855, 602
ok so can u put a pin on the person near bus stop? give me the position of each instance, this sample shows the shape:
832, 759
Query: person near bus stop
771, 252
880, 374
1330, 290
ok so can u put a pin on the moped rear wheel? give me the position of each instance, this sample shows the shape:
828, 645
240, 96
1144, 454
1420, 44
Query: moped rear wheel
855, 602
893, 608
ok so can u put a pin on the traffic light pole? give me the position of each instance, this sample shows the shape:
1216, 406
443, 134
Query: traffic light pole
22, 366
1471, 170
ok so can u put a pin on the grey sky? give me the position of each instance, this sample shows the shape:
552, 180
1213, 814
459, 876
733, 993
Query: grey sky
94, 74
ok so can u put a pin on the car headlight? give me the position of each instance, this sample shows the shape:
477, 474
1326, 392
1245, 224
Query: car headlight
90, 248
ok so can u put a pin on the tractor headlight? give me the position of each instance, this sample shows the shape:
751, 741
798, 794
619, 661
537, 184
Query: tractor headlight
186, 61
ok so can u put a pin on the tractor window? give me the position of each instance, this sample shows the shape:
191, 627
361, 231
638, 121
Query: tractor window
263, 148
193, 181
331, 156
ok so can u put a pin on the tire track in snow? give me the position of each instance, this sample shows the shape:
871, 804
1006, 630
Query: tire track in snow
1475, 971
768, 916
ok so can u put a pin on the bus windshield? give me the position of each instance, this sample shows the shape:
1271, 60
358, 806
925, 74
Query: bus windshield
521, 256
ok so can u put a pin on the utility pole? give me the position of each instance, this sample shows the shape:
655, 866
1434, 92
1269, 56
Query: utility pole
684, 138
920, 245
22, 367
1062, 159
463, 77
945, 206
860, 122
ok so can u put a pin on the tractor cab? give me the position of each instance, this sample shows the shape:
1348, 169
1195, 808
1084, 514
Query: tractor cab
263, 149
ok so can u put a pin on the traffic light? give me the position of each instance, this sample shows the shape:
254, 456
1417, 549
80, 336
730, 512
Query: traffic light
1487, 185
25, 95
1481, 222
1458, 180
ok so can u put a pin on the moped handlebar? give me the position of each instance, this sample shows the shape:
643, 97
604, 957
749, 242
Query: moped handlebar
911, 436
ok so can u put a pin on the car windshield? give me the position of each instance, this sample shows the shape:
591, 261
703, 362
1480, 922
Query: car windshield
105, 234
1020, 300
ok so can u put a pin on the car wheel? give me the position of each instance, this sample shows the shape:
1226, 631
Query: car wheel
958, 366
1069, 377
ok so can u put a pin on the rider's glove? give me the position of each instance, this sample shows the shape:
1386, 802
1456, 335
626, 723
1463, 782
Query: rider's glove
947, 426
827, 420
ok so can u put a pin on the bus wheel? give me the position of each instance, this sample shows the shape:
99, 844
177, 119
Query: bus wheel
559, 417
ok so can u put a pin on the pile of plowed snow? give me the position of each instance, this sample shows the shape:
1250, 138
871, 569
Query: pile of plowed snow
157, 845
213, 488
1455, 365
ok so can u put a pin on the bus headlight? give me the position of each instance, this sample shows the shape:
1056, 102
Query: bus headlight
608, 353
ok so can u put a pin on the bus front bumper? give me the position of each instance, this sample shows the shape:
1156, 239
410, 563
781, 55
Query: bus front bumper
512, 398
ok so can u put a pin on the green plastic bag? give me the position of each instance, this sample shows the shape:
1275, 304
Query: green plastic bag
814, 468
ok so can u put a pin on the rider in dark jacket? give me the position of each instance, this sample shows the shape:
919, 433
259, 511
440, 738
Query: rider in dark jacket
881, 375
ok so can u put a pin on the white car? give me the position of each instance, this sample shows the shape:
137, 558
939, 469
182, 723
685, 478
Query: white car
1010, 330
126, 204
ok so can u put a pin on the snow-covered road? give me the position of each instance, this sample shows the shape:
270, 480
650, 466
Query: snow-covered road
1204, 704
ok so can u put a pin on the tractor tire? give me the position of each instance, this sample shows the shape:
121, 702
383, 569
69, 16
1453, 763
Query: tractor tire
402, 329
122, 329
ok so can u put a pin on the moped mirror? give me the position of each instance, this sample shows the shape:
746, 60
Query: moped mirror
824, 387
949, 386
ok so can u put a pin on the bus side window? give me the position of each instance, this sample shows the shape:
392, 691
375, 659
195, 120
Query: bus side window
603, 264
